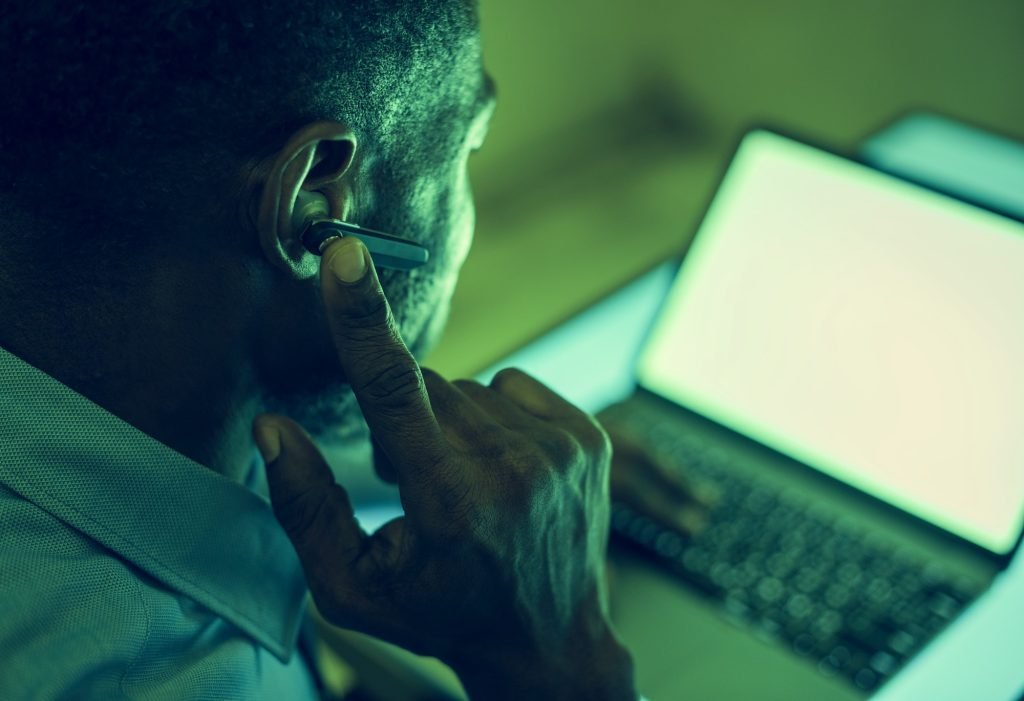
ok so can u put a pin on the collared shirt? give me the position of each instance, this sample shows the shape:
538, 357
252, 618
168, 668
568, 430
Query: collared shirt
128, 571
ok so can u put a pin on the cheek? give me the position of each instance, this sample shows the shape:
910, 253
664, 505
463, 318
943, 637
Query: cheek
463, 222
438, 207
460, 227
437, 292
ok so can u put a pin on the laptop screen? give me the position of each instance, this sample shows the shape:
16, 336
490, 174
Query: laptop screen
865, 326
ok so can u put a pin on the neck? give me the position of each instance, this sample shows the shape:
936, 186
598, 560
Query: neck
136, 358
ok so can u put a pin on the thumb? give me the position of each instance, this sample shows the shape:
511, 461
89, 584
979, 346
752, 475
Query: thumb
312, 508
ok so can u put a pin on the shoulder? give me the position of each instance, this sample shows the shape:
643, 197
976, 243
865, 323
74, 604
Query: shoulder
72, 615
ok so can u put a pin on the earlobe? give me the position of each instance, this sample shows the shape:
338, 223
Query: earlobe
317, 158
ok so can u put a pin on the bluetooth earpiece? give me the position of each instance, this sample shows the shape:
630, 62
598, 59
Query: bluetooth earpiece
312, 216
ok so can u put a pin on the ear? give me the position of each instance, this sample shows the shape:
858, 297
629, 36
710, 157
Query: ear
316, 157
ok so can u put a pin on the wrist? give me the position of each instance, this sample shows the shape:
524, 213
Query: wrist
599, 671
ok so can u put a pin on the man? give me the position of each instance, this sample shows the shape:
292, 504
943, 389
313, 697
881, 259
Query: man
160, 313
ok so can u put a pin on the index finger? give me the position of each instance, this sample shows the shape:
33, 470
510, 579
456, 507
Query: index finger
385, 377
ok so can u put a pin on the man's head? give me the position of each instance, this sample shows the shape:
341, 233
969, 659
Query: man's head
150, 157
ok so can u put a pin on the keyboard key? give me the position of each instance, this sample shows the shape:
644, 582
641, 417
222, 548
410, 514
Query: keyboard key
767, 629
943, 605
736, 605
692, 566
835, 661
799, 606
723, 574
902, 642
849, 574
781, 564
861, 650
669, 545
770, 589
866, 679
878, 590
745, 595
828, 623
837, 596
746, 573
883, 663
903, 613
809, 579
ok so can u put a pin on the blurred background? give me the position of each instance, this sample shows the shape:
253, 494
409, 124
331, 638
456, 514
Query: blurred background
616, 119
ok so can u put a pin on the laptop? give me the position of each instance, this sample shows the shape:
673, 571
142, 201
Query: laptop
838, 353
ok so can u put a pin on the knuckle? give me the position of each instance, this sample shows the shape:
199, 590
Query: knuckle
432, 379
469, 387
494, 443
514, 459
439, 390
593, 438
507, 376
393, 384
300, 515
597, 441
564, 449
368, 311
366, 335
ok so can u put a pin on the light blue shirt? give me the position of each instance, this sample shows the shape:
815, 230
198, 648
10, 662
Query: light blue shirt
128, 571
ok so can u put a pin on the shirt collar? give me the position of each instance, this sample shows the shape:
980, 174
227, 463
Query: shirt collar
197, 532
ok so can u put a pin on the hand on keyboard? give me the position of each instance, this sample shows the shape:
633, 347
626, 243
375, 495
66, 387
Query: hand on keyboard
789, 569
644, 480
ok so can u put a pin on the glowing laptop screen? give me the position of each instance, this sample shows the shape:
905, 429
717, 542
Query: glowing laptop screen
867, 327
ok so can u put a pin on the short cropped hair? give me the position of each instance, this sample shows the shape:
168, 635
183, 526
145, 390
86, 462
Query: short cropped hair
115, 79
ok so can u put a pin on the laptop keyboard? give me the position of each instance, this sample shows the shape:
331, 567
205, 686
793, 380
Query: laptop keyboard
793, 573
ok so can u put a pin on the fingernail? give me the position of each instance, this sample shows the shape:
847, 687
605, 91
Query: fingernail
348, 259
268, 440
706, 493
691, 521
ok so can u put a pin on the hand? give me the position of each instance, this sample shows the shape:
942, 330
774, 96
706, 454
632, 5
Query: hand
646, 482
496, 567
